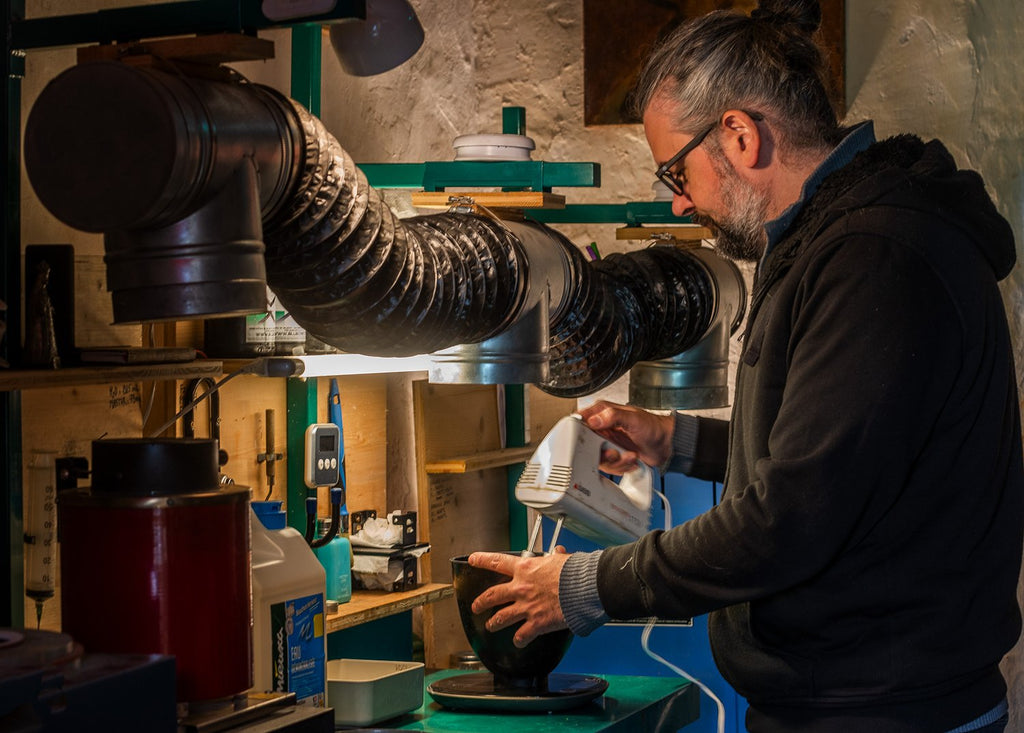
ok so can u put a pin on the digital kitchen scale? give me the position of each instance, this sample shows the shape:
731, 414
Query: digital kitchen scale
478, 691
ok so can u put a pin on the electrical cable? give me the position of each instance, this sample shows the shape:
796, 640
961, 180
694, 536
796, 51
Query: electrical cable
247, 369
148, 409
645, 636
645, 644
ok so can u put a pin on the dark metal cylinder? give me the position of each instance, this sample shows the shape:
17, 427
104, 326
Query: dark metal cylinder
155, 560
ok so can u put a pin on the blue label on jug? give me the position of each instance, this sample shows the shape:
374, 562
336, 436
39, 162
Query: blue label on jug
297, 641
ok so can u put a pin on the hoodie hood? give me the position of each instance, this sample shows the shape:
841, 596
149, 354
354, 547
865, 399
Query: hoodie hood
897, 170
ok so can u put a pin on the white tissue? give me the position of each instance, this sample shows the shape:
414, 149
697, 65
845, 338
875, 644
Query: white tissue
378, 533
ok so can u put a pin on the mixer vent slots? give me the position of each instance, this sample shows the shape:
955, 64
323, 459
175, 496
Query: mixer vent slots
560, 477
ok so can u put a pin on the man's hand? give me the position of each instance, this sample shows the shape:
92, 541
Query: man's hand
532, 593
645, 436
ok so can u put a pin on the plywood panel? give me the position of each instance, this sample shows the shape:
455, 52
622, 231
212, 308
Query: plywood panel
543, 411
468, 512
465, 512
363, 412
459, 419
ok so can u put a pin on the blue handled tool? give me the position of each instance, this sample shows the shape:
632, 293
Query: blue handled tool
334, 415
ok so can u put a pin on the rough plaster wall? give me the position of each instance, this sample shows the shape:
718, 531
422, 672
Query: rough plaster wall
478, 56
952, 70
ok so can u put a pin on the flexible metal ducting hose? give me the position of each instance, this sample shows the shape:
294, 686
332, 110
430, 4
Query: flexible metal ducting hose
181, 174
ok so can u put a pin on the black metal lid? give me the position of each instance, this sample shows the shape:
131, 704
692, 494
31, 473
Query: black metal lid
154, 467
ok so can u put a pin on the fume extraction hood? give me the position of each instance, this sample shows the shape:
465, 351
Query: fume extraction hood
207, 188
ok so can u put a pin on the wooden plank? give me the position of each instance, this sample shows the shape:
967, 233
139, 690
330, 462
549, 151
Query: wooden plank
368, 605
480, 461
78, 376
243, 404
490, 199
467, 512
214, 48
463, 512
94, 309
67, 421
458, 419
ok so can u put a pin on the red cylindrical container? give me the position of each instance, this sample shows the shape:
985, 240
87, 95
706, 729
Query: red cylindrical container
155, 559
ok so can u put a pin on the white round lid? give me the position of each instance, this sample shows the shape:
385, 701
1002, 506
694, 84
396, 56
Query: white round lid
493, 147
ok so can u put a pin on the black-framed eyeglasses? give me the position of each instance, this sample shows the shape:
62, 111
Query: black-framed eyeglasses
675, 181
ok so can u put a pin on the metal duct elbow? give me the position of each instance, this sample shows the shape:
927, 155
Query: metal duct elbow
177, 171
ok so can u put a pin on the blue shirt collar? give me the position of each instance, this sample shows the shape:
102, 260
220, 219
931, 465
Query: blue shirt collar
859, 138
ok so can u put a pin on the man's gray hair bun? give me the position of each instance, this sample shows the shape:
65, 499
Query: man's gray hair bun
805, 14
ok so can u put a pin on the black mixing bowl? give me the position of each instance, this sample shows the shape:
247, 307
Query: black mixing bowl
526, 668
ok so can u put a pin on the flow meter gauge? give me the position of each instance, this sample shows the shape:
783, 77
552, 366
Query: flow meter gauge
323, 455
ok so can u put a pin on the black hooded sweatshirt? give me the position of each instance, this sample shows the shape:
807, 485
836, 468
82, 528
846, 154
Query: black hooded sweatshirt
861, 569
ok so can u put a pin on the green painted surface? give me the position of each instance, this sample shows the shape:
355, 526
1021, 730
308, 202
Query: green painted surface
630, 214
630, 705
305, 76
515, 437
383, 638
513, 120
534, 175
302, 412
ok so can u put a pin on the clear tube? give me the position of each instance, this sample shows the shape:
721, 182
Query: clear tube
41, 528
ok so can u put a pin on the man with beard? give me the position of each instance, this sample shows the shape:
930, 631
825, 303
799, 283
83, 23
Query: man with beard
861, 569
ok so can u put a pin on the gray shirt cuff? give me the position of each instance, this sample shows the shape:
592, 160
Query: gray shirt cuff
577, 593
684, 444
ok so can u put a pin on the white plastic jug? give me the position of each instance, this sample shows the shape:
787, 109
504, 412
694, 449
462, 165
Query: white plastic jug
288, 619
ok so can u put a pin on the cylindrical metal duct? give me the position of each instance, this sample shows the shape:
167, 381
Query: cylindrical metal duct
186, 176
177, 171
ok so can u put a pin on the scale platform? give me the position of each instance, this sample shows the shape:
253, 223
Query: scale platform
630, 703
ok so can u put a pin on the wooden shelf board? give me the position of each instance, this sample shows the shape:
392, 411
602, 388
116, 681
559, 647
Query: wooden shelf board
480, 461
214, 48
491, 199
368, 605
75, 376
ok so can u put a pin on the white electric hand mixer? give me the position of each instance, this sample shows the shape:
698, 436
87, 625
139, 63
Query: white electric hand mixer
562, 481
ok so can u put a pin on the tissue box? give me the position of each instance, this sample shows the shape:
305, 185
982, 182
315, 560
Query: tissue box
367, 691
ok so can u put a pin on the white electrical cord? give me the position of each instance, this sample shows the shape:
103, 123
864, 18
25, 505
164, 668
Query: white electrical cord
645, 638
